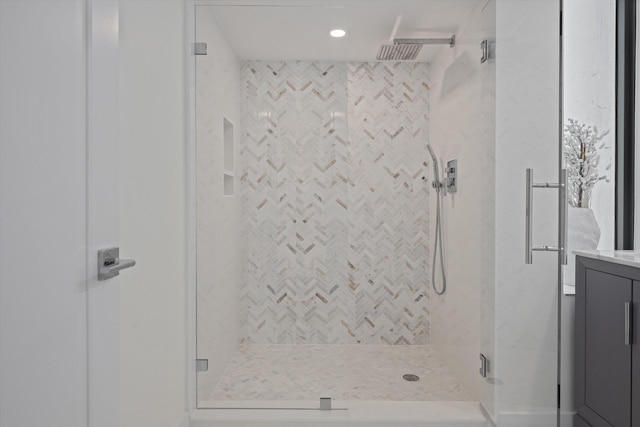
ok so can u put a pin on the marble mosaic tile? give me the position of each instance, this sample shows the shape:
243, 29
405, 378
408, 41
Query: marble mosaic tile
294, 190
342, 372
388, 202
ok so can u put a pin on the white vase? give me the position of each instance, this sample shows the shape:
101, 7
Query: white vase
583, 234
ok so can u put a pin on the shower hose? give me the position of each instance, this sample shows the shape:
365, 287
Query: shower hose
438, 239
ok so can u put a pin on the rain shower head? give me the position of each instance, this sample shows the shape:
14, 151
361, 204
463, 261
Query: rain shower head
408, 49
398, 52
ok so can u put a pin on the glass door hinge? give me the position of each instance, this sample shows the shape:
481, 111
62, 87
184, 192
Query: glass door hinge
325, 403
200, 48
202, 365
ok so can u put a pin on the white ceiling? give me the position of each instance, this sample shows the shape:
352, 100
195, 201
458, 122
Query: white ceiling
299, 30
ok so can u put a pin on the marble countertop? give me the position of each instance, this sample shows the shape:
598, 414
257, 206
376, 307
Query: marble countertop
630, 258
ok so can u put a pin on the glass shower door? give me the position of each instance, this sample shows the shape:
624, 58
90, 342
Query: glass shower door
520, 314
271, 244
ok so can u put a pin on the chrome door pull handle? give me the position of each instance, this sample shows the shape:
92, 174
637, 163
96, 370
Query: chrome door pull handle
110, 264
562, 238
564, 226
528, 210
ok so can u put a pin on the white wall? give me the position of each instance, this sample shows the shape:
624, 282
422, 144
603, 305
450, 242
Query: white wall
589, 96
218, 216
459, 128
152, 213
589, 91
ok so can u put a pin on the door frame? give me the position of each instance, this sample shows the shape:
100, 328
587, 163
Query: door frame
103, 297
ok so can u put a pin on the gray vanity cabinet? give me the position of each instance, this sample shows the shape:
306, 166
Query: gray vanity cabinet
607, 368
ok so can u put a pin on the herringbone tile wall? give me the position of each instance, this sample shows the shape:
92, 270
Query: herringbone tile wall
333, 202
388, 202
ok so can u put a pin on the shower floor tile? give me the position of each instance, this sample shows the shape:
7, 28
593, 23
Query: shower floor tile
342, 372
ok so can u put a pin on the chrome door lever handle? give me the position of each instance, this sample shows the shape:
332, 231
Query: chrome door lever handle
120, 264
109, 263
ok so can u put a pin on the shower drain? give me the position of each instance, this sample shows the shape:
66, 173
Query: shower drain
411, 377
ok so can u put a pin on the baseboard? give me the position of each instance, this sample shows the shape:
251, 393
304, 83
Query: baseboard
527, 419
185, 420
537, 419
566, 418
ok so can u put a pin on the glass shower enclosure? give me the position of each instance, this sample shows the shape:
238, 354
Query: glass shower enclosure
315, 210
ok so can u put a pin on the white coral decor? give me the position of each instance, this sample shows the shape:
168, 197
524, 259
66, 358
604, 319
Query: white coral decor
581, 158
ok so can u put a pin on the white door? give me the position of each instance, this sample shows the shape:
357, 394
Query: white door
43, 227
58, 204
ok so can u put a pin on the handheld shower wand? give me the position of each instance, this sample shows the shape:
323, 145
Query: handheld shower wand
439, 218
436, 182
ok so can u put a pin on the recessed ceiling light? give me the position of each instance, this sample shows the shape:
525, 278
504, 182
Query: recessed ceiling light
338, 33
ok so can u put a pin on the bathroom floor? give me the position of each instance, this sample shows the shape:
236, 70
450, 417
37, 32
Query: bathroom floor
342, 372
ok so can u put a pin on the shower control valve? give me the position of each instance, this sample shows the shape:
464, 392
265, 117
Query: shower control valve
452, 173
